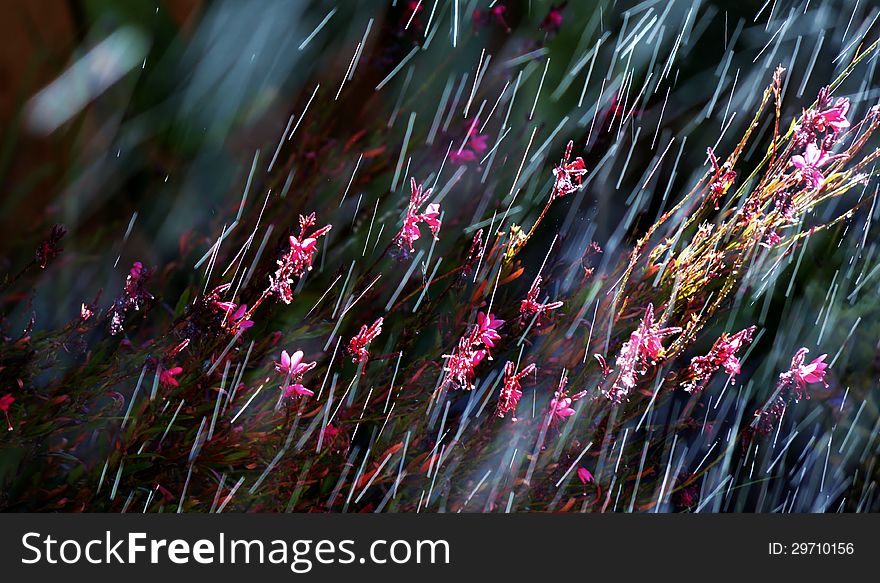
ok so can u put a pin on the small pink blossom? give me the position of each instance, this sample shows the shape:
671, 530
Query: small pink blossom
298, 259
357, 346
561, 404
410, 232
134, 296
560, 407
511, 391
814, 372
553, 20
6, 402
234, 315
478, 142
136, 271
50, 247
293, 365
569, 174
410, 15
722, 354
488, 326
531, 306
584, 476
475, 254
792, 382
809, 163
825, 117
834, 118
460, 364
462, 156
799, 375
166, 377
687, 497
239, 319
642, 350
723, 178
297, 390
473, 146
472, 349
225, 307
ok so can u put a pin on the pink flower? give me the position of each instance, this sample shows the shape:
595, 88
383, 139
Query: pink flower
560, 404
804, 374
234, 315
239, 319
335, 438
478, 143
166, 377
357, 346
488, 326
6, 401
530, 306
560, 407
297, 390
553, 21
294, 368
410, 231
137, 269
723, 178
460, 364
511, 392
687, 497
293, 365
134, 296
795, 379
824, 118
584, 476
225, 307
473, 145
808, 165
652, 336
298, 259
642, 350
834, 118
722, 354
813, 372
472, 349
475, 357
460, 157
799, 375
569, 175
431, 216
